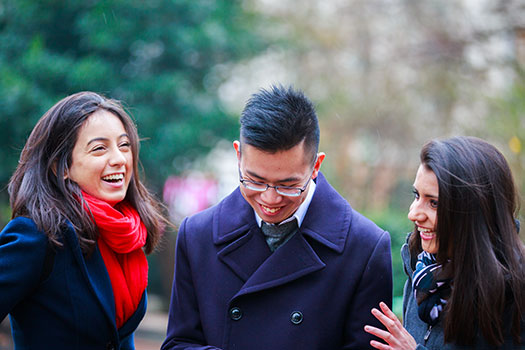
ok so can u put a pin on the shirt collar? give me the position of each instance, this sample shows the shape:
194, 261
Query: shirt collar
300, 212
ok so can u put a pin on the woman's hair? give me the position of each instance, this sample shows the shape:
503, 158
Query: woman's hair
39, 188
478, 239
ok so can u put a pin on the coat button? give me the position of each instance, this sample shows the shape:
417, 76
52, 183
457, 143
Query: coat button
110, 346
296, 317
235, 313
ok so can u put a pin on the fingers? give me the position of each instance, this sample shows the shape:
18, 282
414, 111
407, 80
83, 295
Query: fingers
385, 320
386, 310
396, 337
389, 320
379, 345
378, 332
393, 342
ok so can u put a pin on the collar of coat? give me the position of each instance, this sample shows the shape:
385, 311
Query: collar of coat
95, 273
409, 262
327, 220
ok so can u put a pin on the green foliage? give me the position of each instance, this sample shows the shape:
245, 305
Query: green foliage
162, 58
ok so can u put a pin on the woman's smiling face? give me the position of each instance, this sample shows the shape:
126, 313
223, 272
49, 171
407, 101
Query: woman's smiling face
423, 210
102, 159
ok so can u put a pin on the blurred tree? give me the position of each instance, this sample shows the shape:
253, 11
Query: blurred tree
507, 126
386, 77
162, 58
389, 75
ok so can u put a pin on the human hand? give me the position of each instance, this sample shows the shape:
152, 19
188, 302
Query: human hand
397, 337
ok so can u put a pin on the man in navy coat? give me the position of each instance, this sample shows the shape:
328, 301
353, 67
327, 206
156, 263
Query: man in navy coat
283, 262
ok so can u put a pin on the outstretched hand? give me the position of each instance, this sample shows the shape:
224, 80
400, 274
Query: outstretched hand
397, 337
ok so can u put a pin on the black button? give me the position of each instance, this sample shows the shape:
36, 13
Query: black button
296, 317
235, 313
110, 346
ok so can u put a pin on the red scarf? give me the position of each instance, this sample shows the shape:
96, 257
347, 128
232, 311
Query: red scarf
122, 236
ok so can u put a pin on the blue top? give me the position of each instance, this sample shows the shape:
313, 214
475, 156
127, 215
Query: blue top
72, 308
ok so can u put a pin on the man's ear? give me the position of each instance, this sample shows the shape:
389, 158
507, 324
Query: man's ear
237, 146
317, 165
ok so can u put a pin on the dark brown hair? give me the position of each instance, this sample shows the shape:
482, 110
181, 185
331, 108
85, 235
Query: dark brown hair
278, 119
39, 189
478, 239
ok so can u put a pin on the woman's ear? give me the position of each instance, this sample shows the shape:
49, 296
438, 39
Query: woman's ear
54, 170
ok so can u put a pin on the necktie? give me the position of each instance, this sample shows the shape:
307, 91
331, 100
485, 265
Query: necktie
276, 235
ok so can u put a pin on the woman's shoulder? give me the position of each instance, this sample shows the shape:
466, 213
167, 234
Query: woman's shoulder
22, 245
25, 227
23, 236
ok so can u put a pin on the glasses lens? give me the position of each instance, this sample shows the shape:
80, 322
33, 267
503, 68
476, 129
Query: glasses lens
290, 192
254, 186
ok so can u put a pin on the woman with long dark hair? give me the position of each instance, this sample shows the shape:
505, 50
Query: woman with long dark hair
465, 261
73, 270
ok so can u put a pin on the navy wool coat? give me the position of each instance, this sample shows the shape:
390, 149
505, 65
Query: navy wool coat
314, 292
72, 308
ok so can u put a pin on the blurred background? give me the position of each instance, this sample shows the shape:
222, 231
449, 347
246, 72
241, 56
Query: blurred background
385, 76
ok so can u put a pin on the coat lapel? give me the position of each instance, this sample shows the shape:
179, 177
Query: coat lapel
329, 217
251, 260
96, 275
244, 255
247, 254
293, 260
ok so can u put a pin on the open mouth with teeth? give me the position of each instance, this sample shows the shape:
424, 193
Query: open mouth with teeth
114, 178
425, 233
270, 210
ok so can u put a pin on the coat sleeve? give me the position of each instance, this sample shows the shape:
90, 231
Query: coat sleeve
22, 252
184, 324
374, 286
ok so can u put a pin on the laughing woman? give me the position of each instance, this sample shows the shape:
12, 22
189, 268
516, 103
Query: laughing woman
73, 270
465, 261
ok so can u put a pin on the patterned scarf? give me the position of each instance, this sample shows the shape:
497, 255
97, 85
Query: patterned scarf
122, 236
431, 288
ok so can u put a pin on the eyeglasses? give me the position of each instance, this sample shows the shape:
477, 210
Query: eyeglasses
282, 190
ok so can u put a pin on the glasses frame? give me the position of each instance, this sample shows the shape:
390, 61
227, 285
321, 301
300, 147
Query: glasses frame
277, 189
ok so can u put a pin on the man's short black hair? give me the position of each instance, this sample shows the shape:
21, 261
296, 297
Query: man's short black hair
278, 119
